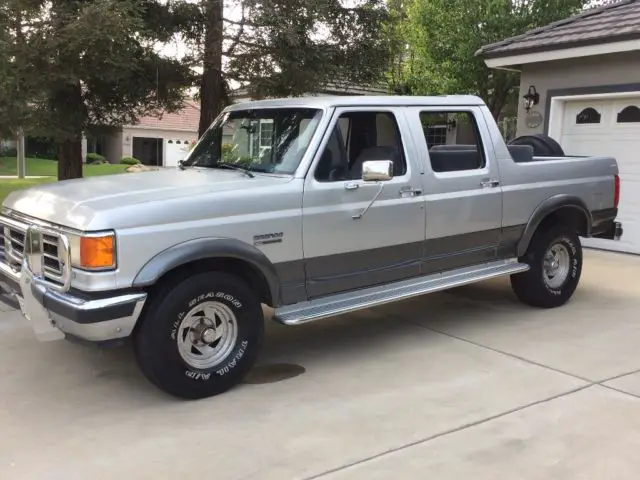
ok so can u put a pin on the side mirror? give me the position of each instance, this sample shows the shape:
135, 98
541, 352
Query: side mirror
377, 171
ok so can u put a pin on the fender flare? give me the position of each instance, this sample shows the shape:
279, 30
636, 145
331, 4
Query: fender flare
208, 248
547, 207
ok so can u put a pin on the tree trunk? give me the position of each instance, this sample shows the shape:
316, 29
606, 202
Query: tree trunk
70, 159
68, 99
211, 84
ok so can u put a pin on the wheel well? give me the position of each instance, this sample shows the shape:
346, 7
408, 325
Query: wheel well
245, 270
573, 217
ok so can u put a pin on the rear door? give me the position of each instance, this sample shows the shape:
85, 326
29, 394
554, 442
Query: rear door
344, 253
462, 187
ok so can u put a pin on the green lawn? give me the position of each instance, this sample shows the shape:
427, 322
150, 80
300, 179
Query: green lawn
49, 168
46, 168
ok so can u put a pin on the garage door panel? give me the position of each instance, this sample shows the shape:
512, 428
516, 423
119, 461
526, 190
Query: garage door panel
585, 145
614, 133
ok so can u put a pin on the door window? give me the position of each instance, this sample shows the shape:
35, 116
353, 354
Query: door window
453, 140
359, 137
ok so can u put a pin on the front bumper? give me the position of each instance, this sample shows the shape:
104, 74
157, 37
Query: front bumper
55, 315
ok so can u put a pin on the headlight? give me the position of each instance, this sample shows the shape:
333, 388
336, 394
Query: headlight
93, 251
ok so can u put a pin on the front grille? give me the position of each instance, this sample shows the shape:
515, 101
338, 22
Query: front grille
51, 264
13, 241
50, 260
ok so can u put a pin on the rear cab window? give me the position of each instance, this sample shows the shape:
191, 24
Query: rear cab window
453, 140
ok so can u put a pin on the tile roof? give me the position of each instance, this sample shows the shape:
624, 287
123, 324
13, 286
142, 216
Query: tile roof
186, 119
616, 21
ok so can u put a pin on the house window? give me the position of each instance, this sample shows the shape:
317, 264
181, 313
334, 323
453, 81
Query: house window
266, 132
435, 135
588, 116
630, 114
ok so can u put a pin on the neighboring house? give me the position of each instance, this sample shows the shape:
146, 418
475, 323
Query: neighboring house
161, 141
583, 74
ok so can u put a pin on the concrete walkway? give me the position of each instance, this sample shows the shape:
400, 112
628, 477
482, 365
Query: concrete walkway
467, 384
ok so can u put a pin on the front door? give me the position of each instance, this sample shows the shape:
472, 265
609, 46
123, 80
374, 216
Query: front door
386, 243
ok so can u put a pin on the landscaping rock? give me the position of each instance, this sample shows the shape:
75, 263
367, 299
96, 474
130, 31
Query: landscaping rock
141, 168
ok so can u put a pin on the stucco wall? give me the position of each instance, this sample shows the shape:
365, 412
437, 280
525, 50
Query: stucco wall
611, 71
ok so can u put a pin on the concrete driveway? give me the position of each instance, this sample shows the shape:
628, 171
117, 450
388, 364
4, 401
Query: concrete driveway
459, 385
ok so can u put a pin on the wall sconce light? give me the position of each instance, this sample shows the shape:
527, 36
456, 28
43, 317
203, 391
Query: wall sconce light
531, 98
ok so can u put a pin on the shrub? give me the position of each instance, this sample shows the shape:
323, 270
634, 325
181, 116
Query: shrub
130, 161
95, 159
8, 152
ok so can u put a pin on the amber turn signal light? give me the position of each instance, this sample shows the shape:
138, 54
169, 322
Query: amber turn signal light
97, 252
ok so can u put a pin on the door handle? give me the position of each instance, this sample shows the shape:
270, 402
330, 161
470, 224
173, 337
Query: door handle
490, 183
351, 186
410, 192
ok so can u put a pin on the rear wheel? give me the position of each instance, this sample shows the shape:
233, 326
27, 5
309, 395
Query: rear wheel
555, 258
200, 336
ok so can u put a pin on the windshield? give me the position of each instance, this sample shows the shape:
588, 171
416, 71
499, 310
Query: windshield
269, 140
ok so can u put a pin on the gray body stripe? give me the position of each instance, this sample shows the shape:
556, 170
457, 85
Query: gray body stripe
360, 269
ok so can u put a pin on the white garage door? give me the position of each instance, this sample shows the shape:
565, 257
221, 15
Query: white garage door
176, 149
610, 127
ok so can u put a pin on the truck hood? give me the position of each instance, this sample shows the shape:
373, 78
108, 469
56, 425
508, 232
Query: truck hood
80, 203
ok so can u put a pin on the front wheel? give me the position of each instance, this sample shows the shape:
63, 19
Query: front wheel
555, 258
201, 336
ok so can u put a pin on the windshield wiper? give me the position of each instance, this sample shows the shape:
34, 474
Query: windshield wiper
229, 166
237, 168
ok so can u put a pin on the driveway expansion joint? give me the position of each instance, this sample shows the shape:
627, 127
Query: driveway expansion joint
447, 432
588, 384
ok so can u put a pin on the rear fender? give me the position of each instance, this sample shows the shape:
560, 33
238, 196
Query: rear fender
550, 206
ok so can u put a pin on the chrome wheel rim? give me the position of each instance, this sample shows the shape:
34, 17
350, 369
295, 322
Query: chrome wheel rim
207, 335
557, 263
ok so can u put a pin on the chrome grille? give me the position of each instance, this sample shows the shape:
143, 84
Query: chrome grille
51, 264
48, 251
13, 242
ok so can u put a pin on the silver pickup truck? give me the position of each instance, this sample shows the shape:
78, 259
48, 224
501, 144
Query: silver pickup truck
312, 206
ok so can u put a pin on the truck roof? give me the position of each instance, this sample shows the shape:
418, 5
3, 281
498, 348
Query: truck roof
327, 101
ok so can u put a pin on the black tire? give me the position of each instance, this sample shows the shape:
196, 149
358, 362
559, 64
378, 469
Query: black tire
531, 287
156, 340
543, 145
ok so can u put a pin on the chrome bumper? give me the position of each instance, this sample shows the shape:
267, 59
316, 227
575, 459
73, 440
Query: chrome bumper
55, 315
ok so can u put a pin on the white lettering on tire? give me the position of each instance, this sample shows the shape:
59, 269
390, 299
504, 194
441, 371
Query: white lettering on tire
223, 295
197, 375
232, 364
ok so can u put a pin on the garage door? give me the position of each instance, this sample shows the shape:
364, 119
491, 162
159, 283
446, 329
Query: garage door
611, 128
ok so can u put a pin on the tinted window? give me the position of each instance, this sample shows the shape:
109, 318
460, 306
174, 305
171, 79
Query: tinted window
588, 116
630, 114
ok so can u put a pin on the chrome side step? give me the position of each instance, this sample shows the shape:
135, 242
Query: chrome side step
338, 304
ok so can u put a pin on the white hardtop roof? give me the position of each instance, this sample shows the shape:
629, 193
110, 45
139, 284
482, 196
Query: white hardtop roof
329, 101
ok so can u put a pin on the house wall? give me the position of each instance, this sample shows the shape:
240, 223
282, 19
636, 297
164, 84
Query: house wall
609, 73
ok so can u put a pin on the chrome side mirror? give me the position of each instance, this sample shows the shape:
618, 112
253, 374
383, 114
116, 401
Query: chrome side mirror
377, 170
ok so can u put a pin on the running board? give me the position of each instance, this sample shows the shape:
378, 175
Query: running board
338, 304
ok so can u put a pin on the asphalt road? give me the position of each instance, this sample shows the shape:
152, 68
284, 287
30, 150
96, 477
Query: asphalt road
463, 384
